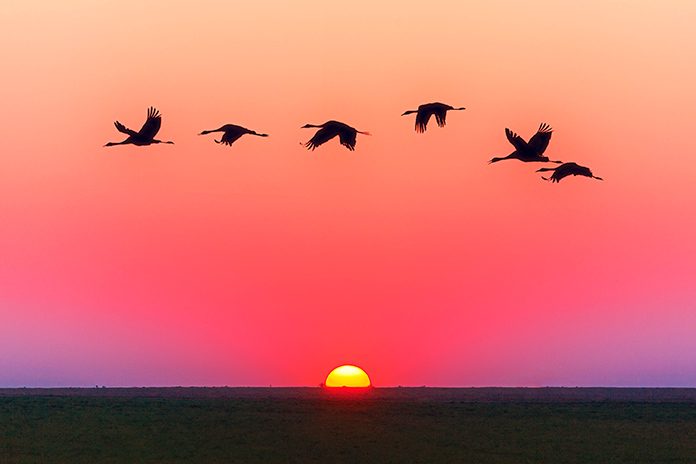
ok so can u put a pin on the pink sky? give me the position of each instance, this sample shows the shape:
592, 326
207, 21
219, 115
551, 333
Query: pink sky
263, 263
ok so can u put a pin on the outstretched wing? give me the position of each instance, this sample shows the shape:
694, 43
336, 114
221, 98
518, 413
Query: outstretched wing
422, 118
516, 141
322, 136
152, 125
121, 128
348, 138
540, 140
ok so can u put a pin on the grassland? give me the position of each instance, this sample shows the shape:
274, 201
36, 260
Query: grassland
381, 425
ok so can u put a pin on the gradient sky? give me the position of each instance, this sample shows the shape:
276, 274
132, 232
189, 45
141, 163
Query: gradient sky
197, 264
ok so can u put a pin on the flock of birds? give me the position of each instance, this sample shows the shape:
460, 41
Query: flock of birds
525, 151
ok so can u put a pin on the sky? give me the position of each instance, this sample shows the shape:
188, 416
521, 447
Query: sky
267, 264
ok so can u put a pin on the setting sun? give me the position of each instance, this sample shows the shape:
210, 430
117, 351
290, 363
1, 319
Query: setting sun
347, 376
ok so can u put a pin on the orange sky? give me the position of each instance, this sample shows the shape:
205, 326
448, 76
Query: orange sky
411, 257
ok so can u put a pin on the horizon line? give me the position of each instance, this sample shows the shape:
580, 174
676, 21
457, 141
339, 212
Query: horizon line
100, 387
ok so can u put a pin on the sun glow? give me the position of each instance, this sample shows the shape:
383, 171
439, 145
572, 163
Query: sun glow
347, 376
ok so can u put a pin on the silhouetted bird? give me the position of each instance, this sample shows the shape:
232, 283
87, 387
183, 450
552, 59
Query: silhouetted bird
331, 129
531, 151
232, 133
146, 134
428, 109
568, 169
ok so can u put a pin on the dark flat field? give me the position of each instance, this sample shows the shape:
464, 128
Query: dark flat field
303, 425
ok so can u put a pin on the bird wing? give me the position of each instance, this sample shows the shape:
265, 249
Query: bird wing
540, 140
577, 170
422, 118
231, 135
440, 116
152, 125
121, 128
516, 141
348, 138
564, 170
322, 136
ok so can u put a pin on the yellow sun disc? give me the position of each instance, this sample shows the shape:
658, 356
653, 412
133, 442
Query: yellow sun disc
347, 376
